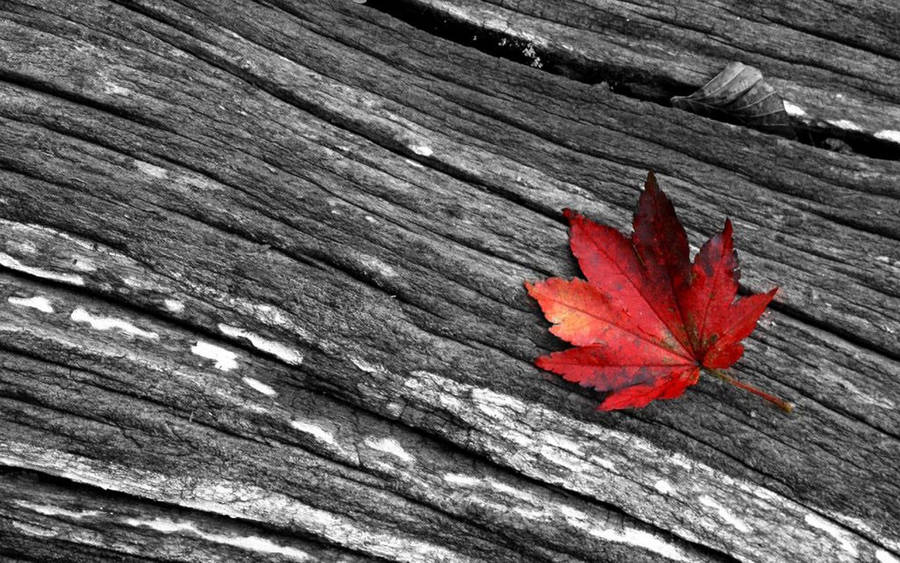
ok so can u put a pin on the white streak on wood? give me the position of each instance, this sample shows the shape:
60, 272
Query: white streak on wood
602, 462
364, 365
461, 480
48, 510
562, 458
22, 247
508, 490
545, 508
566, 444
652, 542
506, 401
846, 124
534, 435
491, 411
151, 170
664, 487
447, 401
116, 90
856, 393
141, 284
562, 451
81, 315
42, 304
393, 408
864, 529
496, 405
39, 232
8, 261
883, 556
492, 20
450, 403
842, 536
793, 110
259, 386
219, 496
726, 515
389, 446
173, 305
535, 514
225, 359
378, 266
314, 430
888, 135
422, 150
269, 315
256, 544
34, 530
627, 535
284, 353
681, 461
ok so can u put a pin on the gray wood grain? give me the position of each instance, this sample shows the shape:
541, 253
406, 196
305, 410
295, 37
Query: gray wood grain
835, 63
265, 263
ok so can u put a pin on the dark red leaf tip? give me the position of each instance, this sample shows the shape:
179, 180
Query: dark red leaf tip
651, 183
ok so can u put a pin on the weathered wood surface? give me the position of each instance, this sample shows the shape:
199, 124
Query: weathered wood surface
835, 63
261, 297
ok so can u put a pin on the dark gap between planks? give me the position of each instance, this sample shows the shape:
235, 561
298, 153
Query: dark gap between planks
626, 81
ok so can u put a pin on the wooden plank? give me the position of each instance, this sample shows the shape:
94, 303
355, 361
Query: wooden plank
177, 419
837, 64
343, 209
49, 520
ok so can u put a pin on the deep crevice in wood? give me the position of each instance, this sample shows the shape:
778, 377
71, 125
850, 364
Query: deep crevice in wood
625, 81
45, 87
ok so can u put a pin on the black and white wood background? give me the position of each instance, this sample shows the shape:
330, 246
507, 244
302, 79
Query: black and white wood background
261, 272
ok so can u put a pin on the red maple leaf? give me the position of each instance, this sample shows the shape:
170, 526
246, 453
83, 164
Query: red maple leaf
647, 319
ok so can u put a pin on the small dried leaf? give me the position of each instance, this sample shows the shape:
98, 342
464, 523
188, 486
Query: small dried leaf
740, 94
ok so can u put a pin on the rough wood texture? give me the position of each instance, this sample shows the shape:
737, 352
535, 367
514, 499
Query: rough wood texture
834, 62
262, 297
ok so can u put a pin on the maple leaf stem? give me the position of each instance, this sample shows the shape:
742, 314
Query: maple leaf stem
779, 402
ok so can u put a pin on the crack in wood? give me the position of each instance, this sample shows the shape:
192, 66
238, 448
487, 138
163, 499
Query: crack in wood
466, 25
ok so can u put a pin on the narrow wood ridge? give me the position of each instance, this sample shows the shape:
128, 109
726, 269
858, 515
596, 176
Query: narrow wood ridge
64, 518
849, 335
647, 84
